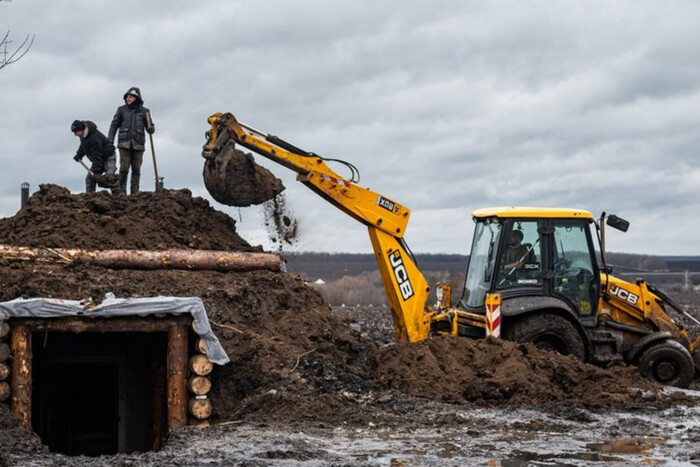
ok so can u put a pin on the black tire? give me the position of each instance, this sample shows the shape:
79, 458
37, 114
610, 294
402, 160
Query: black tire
547, 331
668, 363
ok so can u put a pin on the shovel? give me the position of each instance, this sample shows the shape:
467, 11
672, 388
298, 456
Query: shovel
153, 152
102, 180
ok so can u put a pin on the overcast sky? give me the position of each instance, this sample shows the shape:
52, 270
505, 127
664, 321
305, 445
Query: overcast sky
444, 106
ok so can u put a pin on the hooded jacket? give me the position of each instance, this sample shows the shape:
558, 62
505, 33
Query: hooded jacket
131, 122
95, 145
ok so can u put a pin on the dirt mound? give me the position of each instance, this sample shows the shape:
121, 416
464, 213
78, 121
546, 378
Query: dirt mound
233, 178
13, 438
496, 373
292, 358
53, 217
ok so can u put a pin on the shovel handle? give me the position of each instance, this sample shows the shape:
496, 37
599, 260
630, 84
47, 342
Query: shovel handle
153, 151
86, 167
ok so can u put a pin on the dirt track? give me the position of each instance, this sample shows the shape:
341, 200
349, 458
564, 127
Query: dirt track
297, 368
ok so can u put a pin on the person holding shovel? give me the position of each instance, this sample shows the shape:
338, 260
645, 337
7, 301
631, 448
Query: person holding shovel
131, 119
100, 151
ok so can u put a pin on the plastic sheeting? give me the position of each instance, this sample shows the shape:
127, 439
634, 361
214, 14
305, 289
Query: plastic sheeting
111, 306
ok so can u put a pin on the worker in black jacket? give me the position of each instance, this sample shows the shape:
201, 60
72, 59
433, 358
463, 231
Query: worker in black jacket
99, 150
131, 119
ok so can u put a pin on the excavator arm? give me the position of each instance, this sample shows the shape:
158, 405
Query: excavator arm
386, 220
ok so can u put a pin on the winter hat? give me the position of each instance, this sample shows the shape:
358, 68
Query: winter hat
77, 125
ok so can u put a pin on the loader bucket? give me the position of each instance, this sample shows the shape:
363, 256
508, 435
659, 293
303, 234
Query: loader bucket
233, 178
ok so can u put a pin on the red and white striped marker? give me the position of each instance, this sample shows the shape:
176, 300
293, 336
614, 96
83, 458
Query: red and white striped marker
493, 315
337, 181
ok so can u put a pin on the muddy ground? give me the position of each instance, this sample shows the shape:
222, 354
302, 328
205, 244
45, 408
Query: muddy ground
308, 385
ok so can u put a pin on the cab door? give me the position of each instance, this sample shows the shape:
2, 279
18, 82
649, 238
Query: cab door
574, 267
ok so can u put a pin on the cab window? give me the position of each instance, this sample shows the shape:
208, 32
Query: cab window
482, 262
520, 261
573, 266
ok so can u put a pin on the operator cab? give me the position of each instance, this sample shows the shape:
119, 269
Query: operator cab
520, 252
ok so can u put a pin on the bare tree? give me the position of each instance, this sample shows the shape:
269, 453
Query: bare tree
8, 54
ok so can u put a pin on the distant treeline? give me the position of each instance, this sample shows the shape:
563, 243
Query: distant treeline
353, 278
333, 266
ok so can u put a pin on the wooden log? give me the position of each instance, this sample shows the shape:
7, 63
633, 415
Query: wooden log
177, 376
199, 385
5, 391
4, 352
21, 399
4, 329
200, 408
199, 423
86, 323
144, 259
201, 348
200, 365
4, 371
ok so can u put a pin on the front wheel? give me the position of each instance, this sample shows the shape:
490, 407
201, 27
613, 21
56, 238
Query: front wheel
668, 363
547, 331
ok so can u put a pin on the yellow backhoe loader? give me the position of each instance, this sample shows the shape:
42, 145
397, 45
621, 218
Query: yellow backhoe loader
533, 275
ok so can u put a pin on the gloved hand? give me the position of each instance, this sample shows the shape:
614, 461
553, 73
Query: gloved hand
77, 158
151, 129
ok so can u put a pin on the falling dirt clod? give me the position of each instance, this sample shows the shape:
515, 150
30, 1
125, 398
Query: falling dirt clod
282, 227
233, 178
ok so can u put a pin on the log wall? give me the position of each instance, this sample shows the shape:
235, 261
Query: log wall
186, 376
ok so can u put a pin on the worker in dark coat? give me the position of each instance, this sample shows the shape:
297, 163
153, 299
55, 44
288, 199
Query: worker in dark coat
99, 150
131, 120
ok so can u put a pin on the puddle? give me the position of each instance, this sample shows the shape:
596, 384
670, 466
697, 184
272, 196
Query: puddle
640, 446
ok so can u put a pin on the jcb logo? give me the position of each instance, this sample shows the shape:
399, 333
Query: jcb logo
624, 295
401, 275
387, 204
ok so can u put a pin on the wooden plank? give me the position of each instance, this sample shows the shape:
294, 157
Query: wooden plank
21, 399
177, 360
78, 324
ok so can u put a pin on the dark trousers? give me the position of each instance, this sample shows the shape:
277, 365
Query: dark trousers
110, 168
130, 158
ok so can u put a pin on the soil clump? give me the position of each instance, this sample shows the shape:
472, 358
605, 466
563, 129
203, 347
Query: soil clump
233, 178
292, 358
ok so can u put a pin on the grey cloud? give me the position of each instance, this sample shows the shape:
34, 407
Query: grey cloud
443, 106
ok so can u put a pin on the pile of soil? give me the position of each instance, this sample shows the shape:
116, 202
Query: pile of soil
292, 358
14, 438
53, 217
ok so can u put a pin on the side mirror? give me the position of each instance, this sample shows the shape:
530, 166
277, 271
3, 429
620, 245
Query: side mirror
617, 223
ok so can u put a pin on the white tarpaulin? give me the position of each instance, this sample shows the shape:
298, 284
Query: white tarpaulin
55, 308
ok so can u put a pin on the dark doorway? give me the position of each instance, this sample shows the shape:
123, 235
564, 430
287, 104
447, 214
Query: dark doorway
99, 393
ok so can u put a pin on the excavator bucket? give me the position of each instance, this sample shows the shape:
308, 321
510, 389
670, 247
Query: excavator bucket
233, 178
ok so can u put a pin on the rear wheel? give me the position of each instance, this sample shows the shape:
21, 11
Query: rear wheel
547, 331
667, 362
